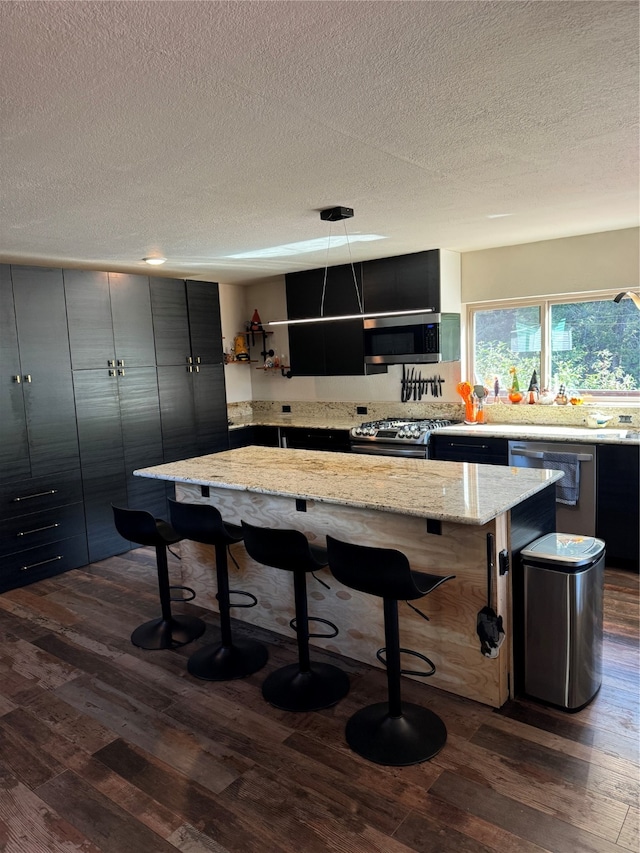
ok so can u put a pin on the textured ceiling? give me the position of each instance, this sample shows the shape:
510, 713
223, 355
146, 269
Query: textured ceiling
198, 130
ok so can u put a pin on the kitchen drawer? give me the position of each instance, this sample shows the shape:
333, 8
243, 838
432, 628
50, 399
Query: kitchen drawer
38, 528
481, 449
43, 562
37, 493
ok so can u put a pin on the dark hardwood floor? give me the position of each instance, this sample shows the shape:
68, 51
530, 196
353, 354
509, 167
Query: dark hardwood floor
105, 747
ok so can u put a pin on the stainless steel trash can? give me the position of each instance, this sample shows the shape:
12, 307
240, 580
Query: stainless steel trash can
563, 591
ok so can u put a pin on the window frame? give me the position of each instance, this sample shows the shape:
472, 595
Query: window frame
544, 304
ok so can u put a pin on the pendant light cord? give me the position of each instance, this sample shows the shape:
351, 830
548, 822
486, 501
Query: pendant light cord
326, 268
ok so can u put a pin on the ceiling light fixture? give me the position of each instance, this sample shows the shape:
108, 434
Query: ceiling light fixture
335, 214
154, 262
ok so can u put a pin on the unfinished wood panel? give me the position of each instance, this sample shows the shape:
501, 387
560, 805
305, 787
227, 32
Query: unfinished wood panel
449, 638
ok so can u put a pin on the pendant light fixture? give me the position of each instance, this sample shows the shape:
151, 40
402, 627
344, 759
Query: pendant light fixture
335, 214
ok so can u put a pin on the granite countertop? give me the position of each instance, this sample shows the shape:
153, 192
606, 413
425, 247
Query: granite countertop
449, 491
535, 432
522, 432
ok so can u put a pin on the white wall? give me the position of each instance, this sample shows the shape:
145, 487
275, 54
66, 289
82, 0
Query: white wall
567, 265
237, 305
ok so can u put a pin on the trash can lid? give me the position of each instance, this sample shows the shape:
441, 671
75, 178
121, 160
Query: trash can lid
565, 548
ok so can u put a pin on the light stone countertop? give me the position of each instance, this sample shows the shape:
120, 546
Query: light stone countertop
328, 421
520, 432
458, 492
537, 432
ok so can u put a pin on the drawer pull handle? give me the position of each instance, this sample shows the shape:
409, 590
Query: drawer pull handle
38, 529
41, 563
37, 495
474, 446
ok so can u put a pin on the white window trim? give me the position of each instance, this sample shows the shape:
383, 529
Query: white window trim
544, 302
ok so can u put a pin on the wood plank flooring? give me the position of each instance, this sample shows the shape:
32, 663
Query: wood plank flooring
105, 747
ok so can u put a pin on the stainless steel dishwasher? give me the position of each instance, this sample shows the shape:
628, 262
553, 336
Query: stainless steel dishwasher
581, 518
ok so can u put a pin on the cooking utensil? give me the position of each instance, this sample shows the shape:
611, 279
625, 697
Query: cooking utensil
489, 628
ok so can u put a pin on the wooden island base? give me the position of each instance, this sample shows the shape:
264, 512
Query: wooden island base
449, 638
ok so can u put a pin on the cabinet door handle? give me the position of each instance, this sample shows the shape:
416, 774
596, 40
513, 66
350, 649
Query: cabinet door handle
196, 369
41, 563
17, 379
120, 372
111, 362
27, 377
112, 372
121, 362
35, 495
38, 529
474, 446
197, 359
189, 360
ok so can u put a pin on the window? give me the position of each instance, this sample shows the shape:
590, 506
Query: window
590, 345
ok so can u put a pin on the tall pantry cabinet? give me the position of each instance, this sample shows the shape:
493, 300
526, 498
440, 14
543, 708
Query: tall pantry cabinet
42, 522
116, 395
82, 354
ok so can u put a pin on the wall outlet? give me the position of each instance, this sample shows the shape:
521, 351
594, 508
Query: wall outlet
286, 408
624, 419
361, 410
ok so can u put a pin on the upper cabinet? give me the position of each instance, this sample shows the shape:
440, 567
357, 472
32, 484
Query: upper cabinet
325, 349
110, 323
403, 283
186, 321
38, 427
429, 279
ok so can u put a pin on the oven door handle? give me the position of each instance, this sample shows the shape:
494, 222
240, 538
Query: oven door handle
415, 451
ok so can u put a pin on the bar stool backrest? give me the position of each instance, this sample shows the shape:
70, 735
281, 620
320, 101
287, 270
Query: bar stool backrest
378, 571
141, 527
282, 549
200, 523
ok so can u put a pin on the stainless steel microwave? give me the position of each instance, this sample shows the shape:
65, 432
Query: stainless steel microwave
412, 339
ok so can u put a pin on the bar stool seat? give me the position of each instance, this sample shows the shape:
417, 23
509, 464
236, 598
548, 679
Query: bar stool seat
305, 685
392, 733
168, 631
230, 658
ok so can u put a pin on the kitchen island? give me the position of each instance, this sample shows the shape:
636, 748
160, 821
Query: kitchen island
447, 517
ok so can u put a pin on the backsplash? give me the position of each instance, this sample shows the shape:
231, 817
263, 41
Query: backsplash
497, 413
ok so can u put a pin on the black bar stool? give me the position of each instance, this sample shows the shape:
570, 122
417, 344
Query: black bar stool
302, 686
390, 733
228, 659
169, 631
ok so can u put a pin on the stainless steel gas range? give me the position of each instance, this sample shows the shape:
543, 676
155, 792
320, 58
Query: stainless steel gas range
396, 436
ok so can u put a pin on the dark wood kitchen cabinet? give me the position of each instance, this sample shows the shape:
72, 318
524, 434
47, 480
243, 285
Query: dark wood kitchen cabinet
110, 322
483, 450
402, 283
81, 406
193, 411
186, 320
41, 511
618, 505
326, 348
119, 430
41, 424
188, 333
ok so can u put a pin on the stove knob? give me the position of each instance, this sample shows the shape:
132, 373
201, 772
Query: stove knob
357, 431
401, 433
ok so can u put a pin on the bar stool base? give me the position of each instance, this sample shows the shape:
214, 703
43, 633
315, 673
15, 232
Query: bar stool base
320, 687
415, 736
224, 663
168, 633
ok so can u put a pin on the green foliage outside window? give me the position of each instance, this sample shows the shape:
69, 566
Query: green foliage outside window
595, 345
